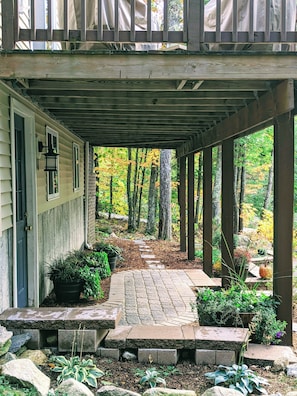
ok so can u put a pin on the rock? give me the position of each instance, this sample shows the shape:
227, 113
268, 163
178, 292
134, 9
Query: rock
280, 364
115, 391
292, 370
293, 393
129, 356
25, 371
52, 340
221, 391
36, 356
7, 358
168, 392
5, 340
18, 341
73, 388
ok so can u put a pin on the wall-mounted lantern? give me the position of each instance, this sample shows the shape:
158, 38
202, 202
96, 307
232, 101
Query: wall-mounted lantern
51, 158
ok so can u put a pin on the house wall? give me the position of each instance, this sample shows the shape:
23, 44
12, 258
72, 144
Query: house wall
60, 221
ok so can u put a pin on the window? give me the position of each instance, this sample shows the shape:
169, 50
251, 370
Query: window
75, 159
52, 177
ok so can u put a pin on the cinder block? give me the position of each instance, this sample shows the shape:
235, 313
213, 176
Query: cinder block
225, 357
205, 356
110, 353
35, 341
85, 340
147, 355
167, 356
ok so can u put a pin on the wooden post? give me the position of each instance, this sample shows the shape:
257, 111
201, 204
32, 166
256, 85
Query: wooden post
182, 204
191, 215
194, 27
207, 211
227, 242
8, 31
283, 218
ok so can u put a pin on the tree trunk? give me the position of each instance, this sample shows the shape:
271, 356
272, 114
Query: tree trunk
268, 193
216, 196
142, 172
151, 215
165, 195
241, 197
110, 209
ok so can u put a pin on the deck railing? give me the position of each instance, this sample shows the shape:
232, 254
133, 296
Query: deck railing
151, 24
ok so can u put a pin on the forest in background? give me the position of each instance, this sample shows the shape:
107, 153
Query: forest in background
134, 183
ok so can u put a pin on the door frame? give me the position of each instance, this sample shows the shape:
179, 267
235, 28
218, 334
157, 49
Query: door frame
17, 107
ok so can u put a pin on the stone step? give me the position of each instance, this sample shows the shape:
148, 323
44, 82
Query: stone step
91, 318
266, 355
178, 337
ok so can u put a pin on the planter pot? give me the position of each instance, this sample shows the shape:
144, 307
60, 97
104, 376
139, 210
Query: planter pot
242, 271
67, 292
112, 261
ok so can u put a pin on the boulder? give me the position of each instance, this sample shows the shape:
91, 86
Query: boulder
25, 371
7, 358
168, 392
73, 388
36, 356
18, 341
5, 340
292, 370
109, 390
221, 391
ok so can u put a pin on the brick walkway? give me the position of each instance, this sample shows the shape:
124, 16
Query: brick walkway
156, 295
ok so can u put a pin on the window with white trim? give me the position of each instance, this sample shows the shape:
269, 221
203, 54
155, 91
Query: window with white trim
53, 188
75, 159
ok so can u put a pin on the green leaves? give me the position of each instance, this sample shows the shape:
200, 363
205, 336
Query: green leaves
81, 370
152, 377
238, 377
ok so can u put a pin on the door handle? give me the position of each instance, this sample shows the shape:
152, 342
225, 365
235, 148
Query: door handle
28, 228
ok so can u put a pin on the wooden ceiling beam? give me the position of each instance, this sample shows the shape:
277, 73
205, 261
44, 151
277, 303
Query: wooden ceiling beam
272, 104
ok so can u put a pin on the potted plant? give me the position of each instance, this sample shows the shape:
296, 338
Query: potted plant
113, 252
70, 279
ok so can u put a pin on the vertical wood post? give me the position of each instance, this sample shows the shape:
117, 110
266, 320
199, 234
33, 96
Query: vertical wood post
182, 204
283, 218
194, 24
207, 211
227, 242
191, 215
8, 31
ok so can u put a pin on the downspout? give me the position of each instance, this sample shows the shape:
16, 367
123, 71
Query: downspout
87, 160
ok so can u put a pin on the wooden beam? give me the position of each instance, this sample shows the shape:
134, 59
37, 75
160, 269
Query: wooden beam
283, 218
265, 108
182, 204
207, 211
191, 207
227, 241
144, 66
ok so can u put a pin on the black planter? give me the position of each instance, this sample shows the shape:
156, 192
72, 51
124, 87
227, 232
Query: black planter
112, 261
67, 292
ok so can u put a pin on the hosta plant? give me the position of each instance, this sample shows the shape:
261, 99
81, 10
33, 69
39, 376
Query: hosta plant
82, 370
152, 377
238, 377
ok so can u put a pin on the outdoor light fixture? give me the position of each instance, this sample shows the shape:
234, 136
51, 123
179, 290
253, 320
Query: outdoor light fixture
51, 158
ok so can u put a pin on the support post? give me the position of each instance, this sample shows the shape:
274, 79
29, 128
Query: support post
227, 242
194, 24
283, 218
191, 215
182, 204
8, 30
207, 211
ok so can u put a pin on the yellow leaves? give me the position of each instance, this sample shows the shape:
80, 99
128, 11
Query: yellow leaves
265, 226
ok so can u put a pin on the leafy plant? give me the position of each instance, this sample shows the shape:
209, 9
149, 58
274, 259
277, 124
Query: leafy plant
266, 328
91, 283
99, 260
238, 377
225, 307
152, 377
8, 389
82, 370
110, 249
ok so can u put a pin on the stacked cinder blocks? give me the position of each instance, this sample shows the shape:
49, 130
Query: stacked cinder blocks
164, 344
